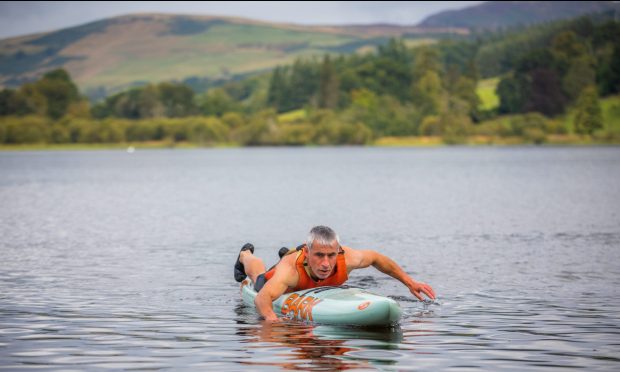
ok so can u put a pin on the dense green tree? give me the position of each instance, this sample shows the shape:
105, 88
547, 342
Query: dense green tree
427, 90
392, 70
6, 96
145, 103
26, 129
277, 89
143, 130
427, 93
305, 82
136, 104
258, 131
328, 85
610, 70
588, 116
565, 47
384, 115
23, 101
329, 130
59, 132
452, 123
512, 92
579, 75
535, 86
59, 92
463, 88
426, 59
216, 102
545, 94
455, 121
233, 120
150, 101
206, 131
572, 63
177, 99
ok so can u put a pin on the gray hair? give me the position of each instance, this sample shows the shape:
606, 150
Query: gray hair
322, 235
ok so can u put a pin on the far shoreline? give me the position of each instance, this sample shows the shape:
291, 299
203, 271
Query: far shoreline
413, 142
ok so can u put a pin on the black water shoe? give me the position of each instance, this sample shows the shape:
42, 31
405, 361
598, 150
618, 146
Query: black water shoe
282, 252
239, 269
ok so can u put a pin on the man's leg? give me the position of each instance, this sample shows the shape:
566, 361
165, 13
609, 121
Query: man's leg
253, 265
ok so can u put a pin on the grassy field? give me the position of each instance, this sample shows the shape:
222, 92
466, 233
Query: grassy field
248, 35
230, 52
292, 116
486, 92
167, 68
221, 50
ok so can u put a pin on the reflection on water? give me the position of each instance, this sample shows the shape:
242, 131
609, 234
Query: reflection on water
110, 260
320, 347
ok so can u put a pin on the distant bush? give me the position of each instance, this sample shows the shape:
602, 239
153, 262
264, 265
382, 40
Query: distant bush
496, 127
589, 116
27, 129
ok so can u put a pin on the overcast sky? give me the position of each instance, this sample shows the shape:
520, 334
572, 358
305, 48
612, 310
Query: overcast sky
21, 18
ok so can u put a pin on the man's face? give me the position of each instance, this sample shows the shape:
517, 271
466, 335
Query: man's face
322, 259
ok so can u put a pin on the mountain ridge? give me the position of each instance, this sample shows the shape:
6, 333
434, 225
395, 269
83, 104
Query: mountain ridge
149, 47
492, 15
112, 54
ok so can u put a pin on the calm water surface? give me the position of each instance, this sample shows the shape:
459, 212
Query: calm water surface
111, 260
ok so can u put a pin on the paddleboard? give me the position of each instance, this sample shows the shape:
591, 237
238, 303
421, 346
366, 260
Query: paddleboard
342, 305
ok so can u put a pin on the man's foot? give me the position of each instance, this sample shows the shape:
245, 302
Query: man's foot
239, 269
282, 252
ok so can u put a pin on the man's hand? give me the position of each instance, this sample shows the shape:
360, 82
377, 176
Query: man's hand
418, 287
272, 318
359, 259
285, 276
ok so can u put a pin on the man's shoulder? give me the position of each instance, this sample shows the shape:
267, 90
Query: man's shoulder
354, 257
289, 259
286, 270
348, 250
287, 263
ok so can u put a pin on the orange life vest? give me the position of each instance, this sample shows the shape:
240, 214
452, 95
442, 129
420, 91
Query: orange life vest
338, 276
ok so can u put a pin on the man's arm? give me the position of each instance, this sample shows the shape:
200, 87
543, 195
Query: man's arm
359, 259
274, 288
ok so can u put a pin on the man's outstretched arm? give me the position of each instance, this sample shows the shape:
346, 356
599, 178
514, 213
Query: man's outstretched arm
359, 259
274, 288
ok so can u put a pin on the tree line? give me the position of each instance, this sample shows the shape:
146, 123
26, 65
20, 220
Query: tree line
396, 91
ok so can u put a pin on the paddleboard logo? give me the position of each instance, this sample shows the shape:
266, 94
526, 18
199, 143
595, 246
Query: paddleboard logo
363, 305
299, 307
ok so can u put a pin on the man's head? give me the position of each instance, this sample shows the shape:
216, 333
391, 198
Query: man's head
322, 247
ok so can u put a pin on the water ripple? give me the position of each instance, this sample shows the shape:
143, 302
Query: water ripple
111, 262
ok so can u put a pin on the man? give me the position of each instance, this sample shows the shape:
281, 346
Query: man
322, 261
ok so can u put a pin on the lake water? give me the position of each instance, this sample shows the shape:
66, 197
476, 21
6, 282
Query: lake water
116, 260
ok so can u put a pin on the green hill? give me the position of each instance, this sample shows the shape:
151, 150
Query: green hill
113, 54
502, 14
